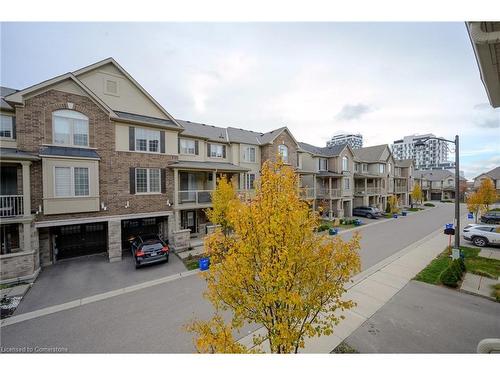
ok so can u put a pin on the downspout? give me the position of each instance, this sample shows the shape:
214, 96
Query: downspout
483, 37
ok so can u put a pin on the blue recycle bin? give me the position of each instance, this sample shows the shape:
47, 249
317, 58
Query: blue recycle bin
395, 216
204, 264
357, 222
333, 231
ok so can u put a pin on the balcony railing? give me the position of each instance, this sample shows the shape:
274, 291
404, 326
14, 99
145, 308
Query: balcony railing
204, 197
400, 189
368, 190
11, 205
329, 193
307, 193
201, 197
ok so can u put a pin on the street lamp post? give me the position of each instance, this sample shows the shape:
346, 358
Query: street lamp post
421, 143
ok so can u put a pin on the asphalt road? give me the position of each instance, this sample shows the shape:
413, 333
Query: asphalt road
424, 318
382, 240
151, 320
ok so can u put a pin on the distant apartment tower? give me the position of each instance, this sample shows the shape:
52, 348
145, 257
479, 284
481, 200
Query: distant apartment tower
433, 155
353, 140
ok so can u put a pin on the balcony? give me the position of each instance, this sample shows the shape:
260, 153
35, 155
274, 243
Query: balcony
307, 193
203, 198
367, 191
329, 193
400, 189
11, 205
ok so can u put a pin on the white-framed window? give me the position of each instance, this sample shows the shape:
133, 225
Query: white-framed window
188, 146
71, 181
323, 164
147, 180
381, 168
250, 181
389, 169
216, 151
345, 163
347, 184
6, 126
356, 167
283, 152
70, 128
249, 154
364, 167
147, 140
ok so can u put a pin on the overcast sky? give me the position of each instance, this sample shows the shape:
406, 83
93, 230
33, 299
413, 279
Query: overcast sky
384, 80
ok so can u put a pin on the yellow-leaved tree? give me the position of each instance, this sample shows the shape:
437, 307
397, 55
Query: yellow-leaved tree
487, 193
474, 204
272, 269
222, 197
416, 194
393, 204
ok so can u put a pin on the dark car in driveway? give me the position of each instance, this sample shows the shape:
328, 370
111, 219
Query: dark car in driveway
149, 249
491, 217
367, 211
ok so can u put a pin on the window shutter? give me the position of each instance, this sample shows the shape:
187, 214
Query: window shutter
162, 142
163, 176
14, 127
208, 149
224, 151
196, 149
131, 138
178, 145
132, 180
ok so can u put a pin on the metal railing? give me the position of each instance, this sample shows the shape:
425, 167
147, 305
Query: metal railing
329, 193
307, 193
11, 205
368, 190
400, 189
195, 196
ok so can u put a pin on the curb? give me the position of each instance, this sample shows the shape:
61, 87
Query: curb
91, 299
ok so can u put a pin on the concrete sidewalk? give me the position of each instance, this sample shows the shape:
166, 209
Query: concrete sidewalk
372, 289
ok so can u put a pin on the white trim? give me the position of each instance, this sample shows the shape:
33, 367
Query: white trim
71, 115
72, 183
11, 138
97, 219
148, 182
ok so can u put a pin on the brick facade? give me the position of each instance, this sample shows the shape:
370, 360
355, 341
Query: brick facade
270, 152
34, 129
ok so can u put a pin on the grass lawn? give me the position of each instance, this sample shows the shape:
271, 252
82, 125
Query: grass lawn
191, 262
414, 209
496, 292
473, 263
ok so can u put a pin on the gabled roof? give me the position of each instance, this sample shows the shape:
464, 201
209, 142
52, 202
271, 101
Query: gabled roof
435, 175
494, 173
208, 132
323, 151
405, 163
112, 61
269, 137
4, 91
17, 97
146, 119
373, 153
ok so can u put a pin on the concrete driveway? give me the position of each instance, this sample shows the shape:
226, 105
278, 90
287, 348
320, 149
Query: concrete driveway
86, 276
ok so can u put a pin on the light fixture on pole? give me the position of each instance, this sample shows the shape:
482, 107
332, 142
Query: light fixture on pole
420, 143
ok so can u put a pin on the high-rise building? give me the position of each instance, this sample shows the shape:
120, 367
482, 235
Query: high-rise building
353, 140
433, 155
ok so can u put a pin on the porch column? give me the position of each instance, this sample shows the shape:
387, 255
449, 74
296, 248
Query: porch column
176, 187
26, 189
366, 185
330, 213
330, 187
314, 192
114, 240
27, 236
214, 179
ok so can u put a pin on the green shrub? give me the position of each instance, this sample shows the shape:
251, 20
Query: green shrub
323, 227
453, 273
446, 201
429, 205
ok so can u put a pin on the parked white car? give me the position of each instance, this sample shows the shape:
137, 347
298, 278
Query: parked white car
482, 234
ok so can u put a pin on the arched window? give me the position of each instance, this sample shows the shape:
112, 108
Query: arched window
345, 163
283, 151
70, 128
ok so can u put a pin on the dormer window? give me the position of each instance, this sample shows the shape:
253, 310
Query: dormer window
283, 152
70, 128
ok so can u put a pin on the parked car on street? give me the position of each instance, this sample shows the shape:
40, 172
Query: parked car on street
367, 211
148, 249
482, 234
491, 217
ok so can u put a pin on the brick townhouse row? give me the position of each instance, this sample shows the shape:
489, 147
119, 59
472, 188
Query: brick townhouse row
88, 159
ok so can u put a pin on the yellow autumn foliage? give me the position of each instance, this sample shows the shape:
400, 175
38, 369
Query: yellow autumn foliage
272, 269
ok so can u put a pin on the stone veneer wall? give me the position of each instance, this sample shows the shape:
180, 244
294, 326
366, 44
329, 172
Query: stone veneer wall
270, 152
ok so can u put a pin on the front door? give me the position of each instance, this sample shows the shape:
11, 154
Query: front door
189, 220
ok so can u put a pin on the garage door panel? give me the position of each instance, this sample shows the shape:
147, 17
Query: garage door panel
79, 240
